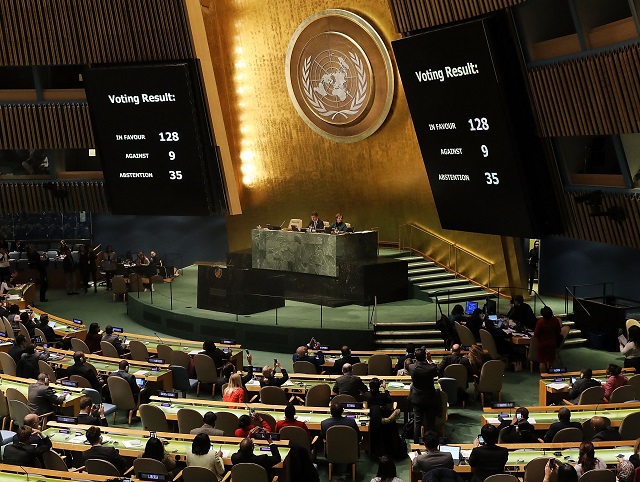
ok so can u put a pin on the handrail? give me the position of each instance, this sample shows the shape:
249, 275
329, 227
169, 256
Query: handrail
573, 293
566, 301
536, 296
446, 241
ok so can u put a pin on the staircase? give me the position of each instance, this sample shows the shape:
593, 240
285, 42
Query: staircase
388, 336
574, 337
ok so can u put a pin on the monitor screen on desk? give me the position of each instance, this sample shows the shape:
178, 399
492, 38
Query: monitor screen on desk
471, 307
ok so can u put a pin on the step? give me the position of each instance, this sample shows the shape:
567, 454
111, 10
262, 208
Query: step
441, 283
575, 342
467, 287
432, 269
574, 332
422, 264
422, 333
568, 323
412, 259
479, 296
416, 341
433, 277
421, 324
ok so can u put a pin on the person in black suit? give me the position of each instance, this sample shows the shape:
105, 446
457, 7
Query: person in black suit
28, 367
109, 454
488, 459
18, 348
216, 354
110, 337
123, 372
33, 421
422, 394
564, 417
337, 419
518, 430
268, 376
409, 354
89, 416
345, 358
245, 455
455, 357
21, 452
349, 384
522, 313
603, 430
79, 367
316, 224
581, 384
49, 334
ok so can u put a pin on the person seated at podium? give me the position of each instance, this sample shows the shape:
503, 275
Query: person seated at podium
344, 359
339, 226
316, 224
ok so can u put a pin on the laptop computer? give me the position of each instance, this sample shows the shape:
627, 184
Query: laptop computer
454, 451
140, 382
471, 307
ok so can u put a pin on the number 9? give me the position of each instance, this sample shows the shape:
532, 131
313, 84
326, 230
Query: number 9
485, 150
172, 156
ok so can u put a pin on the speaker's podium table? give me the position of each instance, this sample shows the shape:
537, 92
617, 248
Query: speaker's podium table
328, 269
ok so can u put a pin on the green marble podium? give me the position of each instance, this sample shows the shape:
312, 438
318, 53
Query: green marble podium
311, 253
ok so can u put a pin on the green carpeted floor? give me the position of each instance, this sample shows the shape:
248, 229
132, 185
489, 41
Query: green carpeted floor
463, 424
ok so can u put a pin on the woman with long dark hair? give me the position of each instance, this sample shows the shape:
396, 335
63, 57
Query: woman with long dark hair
616, 379
587, 459
201, 455
93, 338
155, 450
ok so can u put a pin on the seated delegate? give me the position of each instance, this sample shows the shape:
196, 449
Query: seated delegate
339, 226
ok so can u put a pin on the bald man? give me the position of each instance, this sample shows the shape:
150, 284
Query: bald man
455, 357
245, 455
302, 354
603, 430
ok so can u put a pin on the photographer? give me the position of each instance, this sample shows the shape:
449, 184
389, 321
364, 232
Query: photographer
91, 414
250, 424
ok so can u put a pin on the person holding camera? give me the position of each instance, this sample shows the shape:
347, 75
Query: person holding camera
250, 424
269, 378
91, 414
487, 458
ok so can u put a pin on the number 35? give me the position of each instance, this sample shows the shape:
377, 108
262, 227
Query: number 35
492, 178
175, 175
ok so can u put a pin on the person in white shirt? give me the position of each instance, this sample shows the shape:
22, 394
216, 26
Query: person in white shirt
631, 350
587, 459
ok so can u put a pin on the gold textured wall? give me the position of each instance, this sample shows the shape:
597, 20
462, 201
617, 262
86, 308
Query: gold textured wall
288, 170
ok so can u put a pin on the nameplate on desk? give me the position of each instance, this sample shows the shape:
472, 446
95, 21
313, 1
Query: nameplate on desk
355, 405
503, 405
254, 369
146, 476
324, 348
117, 329
72, 420
67, 383
557, 370
159, 361
163, 393
3, 334
228, 341
77, 321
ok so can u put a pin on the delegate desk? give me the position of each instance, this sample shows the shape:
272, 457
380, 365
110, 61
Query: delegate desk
63, 327
519, 458
312, 416
131, 443
555, 386
189, 346
71, 405
22, 295
312, 253
331, 356
542, 417
151, 372
16, 473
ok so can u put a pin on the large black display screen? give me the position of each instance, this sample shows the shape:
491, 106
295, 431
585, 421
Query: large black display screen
468, 101
155, 140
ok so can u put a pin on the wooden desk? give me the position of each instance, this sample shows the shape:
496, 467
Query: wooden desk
550, 389
331, 356
71, 405
63, 327
131, 443
15, 473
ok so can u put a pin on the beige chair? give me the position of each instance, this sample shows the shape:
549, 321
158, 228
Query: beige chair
360, 369
101, 467
442, 419
631, 322
342, 447
109, 350
119, 288
296, 222
4, 410
591, 396
149, 466
153, 418
53, 461
17, 411
501, 478
81, 381
380, 365
46, 369
564, 332
274, 396
570, 434
489, 344
343, 399
490, 381
227, 422
180, 358
305, 367
15, 394
299, 436
135, 283
623, 394
8, 329
206, 372
266, 417
24, 332
465, 335
634, 381
121, 396
534, 470
532, 353
318, 396
188, 419
164, 352
78, 345
8, 364
598, 475
138, 350
40, 333
247, 472
630, 426
197, 474
459, 372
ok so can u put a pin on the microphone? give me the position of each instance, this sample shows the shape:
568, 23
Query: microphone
24, 472
158, 337
595, 412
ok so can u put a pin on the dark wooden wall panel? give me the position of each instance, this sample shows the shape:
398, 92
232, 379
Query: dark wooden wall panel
57, 196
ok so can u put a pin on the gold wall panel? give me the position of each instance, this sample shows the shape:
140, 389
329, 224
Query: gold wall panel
288, 171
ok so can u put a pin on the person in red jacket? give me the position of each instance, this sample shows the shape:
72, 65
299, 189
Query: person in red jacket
234, 391
248, 425
290, 420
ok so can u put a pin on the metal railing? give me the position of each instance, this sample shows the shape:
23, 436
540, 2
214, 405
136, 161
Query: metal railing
572, 293
453, 260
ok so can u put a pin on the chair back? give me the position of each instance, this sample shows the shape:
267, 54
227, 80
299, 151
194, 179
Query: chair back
205, 369
15, 394
24, 332
489, 344
303, 366
181, 358
380, 364
297, 435
153, 418
630, 426
109, 350
118, 285
491, 376
564, 331
101, 467
46, 369
78, 345
248, 472
135, 282
450, 387
121, 394
180, 378
149, 466
53, 461
631, 322
587, 430
9, 329
318, 396
8, 364
342, 445
623, 394
570, 434
465, 335
197, 474
360, 369
164, 352
534, 470
273, 396
598, 475
94, 395
40, 333
188, 419
532, 353
634, 381
227, 422
591, 396
81, 381
344, 399
442, 418
459, 372
138, 350
18, 410
4, 406
501, 477
266, 417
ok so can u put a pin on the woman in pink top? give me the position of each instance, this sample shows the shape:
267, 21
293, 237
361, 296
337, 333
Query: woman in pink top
234, 391
615, 380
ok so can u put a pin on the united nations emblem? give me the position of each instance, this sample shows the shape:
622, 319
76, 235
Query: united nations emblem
339, 75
